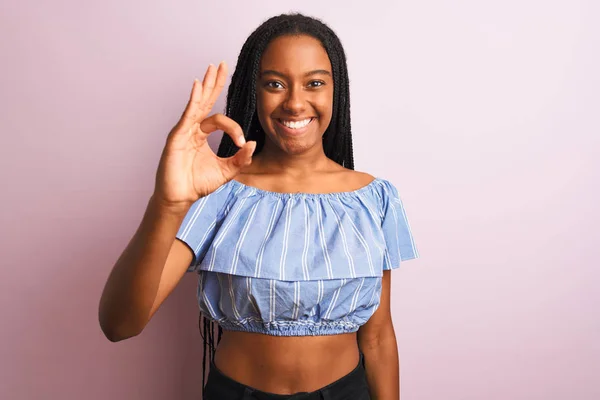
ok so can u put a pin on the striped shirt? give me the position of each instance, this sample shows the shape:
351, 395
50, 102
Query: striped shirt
295, 264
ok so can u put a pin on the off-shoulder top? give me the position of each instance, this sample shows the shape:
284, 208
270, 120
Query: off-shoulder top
295, 264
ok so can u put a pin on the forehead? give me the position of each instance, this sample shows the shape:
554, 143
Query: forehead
295, 55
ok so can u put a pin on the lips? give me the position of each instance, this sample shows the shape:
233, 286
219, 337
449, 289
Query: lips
296, 130
296, 124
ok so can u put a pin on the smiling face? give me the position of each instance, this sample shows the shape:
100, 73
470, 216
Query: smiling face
294, 93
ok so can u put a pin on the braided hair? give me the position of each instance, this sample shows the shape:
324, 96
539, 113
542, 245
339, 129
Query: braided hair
241, 107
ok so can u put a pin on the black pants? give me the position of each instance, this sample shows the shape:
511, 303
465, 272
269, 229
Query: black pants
350, 387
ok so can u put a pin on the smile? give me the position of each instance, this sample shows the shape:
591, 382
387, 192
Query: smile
296, 124
295, 127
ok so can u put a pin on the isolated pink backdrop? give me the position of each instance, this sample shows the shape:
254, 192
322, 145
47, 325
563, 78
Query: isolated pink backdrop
484, 114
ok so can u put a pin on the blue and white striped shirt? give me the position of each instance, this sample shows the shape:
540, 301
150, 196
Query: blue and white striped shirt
295, 264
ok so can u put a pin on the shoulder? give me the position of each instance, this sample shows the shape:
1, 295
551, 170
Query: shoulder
354, 179
362, 178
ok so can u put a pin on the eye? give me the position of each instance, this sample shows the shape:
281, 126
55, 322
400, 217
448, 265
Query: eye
315, 84
273, 85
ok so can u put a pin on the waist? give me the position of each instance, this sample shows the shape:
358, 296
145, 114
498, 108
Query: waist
286, 365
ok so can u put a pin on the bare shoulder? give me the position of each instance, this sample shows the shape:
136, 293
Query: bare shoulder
364, 177
355, 179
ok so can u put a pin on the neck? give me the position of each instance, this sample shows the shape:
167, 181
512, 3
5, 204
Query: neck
272, 160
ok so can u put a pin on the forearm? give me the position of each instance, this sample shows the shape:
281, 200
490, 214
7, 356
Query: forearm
133, 283
382, 365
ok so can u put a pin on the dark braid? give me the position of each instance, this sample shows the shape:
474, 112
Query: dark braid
241, 102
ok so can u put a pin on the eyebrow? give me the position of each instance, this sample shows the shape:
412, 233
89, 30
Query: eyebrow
310, 73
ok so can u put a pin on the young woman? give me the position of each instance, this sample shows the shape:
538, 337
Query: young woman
292, 247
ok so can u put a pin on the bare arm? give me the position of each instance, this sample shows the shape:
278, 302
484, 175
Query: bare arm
145, 274
154, 261
377, 341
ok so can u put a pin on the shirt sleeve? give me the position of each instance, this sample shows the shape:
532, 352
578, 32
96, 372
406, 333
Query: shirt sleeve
399, 241
201, 224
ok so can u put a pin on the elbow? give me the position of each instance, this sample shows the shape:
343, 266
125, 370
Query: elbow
117, 334
380, 338
115, 331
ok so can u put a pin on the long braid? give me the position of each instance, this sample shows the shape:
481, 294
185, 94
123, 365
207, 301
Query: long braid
241, 102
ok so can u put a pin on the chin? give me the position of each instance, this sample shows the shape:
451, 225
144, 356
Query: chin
297, 150
293, 146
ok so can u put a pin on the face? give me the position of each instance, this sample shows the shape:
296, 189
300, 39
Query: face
294, 93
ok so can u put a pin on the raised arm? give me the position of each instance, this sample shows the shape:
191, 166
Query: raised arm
153, 262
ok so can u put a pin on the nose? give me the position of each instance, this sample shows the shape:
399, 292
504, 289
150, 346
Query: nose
294, 103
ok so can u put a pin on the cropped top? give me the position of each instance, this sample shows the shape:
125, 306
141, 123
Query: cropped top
295, 264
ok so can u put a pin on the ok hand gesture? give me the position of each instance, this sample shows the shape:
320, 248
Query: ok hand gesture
188, 168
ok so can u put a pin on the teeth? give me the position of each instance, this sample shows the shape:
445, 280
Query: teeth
296, 124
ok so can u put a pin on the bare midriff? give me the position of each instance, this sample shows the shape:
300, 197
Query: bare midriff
286, 364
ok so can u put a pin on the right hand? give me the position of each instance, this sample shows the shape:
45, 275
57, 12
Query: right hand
188, 168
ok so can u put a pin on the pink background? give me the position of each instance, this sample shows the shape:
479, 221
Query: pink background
484, 114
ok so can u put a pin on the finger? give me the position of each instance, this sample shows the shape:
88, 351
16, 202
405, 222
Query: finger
227, 125
219, 85
208, 84
241, 159
192, 110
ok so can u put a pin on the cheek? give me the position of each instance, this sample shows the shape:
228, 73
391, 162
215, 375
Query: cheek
259, 103
261, 111
265, 104
324, 105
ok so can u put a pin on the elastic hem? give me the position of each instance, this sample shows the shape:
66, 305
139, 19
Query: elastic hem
295, 328
284, 195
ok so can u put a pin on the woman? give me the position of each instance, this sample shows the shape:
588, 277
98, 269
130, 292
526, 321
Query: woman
293, 248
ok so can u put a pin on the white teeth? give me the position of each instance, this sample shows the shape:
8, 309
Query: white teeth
296, 124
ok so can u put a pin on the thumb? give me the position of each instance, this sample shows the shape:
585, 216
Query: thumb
241, 159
